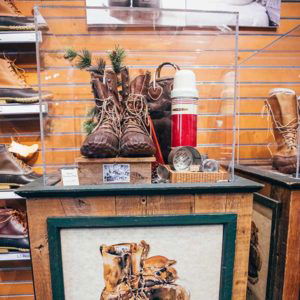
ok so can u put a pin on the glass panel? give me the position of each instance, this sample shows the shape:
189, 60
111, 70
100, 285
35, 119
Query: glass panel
269, 110
149, 39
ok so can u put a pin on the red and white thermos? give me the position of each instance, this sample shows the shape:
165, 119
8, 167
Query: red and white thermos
184, 109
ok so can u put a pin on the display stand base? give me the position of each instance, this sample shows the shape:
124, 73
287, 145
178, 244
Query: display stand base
114, 170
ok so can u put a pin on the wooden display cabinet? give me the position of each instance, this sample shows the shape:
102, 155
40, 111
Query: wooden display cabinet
285, 190
138, 200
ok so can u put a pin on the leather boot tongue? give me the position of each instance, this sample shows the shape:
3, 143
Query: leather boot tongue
136, 85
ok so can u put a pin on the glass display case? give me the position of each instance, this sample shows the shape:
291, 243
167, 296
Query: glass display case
138, 95
269, 107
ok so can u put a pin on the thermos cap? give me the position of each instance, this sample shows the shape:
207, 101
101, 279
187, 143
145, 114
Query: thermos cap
184, 84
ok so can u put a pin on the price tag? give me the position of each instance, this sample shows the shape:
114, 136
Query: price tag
69, 176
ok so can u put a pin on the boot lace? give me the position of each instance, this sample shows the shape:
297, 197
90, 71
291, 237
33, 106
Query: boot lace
109, 116
13, 6
288, 131
136, 113
18, 72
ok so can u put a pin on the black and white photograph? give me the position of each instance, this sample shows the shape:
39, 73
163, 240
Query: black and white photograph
116, 173
252, 13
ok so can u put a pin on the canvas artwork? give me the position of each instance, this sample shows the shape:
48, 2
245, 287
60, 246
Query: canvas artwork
187, 257
142, 263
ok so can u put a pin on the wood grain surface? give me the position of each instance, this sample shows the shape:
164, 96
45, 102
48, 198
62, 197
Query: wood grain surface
137, 205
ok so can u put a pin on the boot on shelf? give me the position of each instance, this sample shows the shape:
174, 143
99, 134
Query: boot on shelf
135, 137
13, 171
104, 140
283, 107
13, 87
12, 19
13, 231
23, 152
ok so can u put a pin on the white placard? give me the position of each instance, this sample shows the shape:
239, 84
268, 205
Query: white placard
116, 173
69, 176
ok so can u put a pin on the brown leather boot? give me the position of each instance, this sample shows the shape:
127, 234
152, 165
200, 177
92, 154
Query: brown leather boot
13, 171
13, 231
135, 137
283, 106
12, 19
104, 140
13, 87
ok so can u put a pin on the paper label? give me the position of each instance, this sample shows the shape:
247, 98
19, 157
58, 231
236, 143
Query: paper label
116, 173
69, 176
187, 107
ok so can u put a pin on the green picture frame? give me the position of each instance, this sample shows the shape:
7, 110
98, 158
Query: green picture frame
274, 208
228, 221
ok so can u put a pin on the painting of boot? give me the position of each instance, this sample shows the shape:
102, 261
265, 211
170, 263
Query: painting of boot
129, 274
186, 257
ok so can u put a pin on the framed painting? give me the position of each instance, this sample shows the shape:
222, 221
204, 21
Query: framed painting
262, 259
158, 257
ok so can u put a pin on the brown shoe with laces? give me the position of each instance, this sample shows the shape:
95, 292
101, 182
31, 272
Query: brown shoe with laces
12, 19
283, 107
13, 231
104, 140
13, 87
135, 137
13, 171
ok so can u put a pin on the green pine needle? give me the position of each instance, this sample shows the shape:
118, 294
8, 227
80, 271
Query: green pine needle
91, 122
85, 59
101, 66
89, 126
70, 54
117, 57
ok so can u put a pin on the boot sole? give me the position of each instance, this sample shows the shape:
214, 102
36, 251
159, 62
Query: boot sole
7, 249
17, 28
4, 185
24, 100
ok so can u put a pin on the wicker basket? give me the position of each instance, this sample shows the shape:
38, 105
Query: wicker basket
185, 177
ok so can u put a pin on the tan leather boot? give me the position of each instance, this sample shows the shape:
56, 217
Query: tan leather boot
283, 106
13, 87
12, 19
135, 137
13, 231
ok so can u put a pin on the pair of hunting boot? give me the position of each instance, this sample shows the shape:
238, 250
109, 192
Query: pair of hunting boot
283, 106
13, 171
11, 19
13, 87
13, 231
123, 125
130, 275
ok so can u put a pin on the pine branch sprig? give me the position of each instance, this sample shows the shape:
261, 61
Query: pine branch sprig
117, 58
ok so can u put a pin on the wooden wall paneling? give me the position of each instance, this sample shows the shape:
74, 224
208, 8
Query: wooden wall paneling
173, 204
39, 244
291, 288
241, 204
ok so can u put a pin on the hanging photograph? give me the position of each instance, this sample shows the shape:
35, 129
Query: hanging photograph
252, 13
142, 257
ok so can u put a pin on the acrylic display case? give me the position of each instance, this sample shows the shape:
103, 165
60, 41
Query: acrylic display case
269, 107
196, 41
